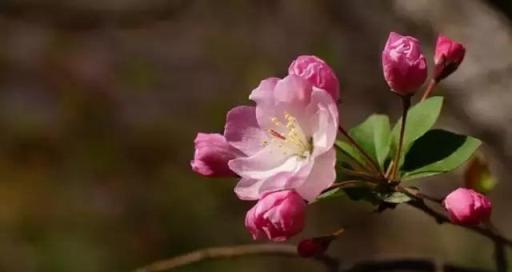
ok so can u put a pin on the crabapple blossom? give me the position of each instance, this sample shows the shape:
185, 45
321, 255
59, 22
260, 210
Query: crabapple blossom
277, 216
403, 63
317, 72
467, 207
212, 154
448, 56
287, 139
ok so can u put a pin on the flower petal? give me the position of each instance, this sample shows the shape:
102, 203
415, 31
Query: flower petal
293, 89
242, 130
212, 154
264, 93
248, 189
321, 177
287, 180
268, 171
290, 96
325, 118
264, 164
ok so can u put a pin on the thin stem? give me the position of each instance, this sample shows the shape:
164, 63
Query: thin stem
353, 162
408, 264
372, 162
500, 257
290, 251
346, 184
362, 175
388, 171
430, 88
230, 252
342, 184
406, 104
431, 198
417, 194
338, 232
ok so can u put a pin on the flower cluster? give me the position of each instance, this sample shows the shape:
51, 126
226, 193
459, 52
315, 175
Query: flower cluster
283, 149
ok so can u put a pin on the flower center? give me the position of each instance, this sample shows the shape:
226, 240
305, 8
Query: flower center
289, 137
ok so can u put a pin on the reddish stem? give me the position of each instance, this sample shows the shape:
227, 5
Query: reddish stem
406, 104
372, 162
430, 88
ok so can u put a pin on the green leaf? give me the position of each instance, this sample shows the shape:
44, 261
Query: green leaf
396, 198
374, 136
436, 152
420, 119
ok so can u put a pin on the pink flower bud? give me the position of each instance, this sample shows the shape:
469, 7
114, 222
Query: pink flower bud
317, 72
212, 155
448, 56
277, 216
467, 207
404, 66
314, 246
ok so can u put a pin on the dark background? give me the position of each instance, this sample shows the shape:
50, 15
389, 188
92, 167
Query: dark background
100, 101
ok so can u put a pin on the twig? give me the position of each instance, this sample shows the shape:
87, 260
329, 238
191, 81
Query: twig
417, 194
230, 252
408, 264
441, 218
499, 241
500, 257
431, 198
289, 251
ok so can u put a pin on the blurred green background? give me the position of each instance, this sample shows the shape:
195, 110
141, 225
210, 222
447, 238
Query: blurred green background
100, 102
